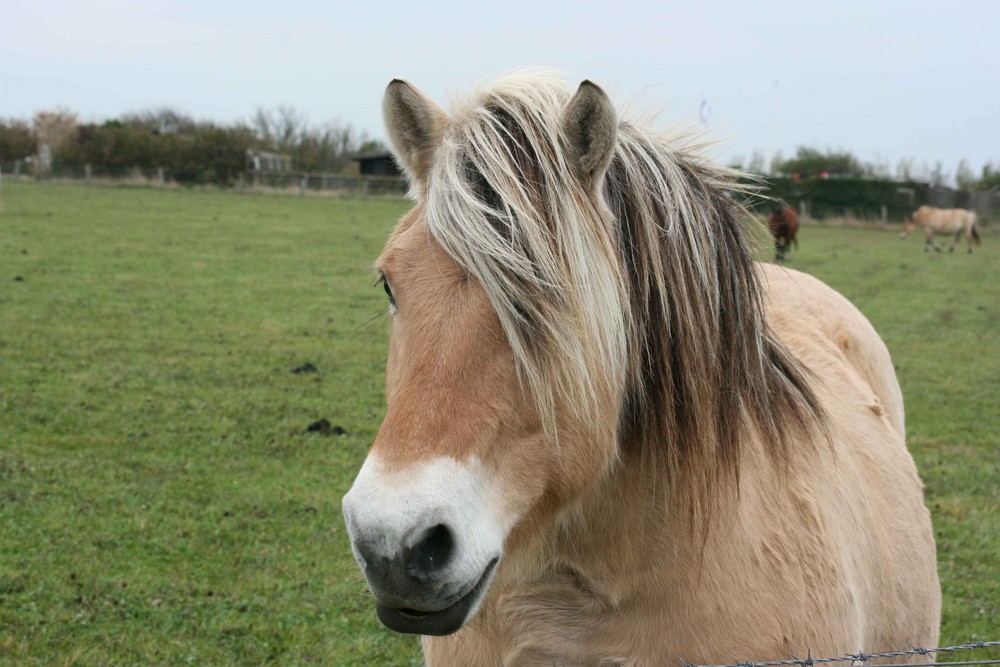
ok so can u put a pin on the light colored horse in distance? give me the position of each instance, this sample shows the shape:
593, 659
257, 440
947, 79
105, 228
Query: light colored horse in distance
943, 221
611, 437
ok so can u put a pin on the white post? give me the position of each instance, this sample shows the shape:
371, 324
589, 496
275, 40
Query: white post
1, 190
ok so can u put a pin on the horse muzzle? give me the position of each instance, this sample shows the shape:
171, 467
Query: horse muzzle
427, 541
443, 621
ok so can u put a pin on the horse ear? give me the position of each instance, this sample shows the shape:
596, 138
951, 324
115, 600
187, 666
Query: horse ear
590, 127
415, 126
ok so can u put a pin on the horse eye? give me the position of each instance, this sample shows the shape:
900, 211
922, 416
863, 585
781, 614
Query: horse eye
388, 293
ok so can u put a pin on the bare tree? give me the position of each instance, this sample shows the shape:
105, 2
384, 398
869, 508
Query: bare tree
280, 130
52, 129
938, 175
328, 147
878, 169
904, 170
964, 177
776, 161
162, 120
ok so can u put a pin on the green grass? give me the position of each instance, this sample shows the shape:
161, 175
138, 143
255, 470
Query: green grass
161, 501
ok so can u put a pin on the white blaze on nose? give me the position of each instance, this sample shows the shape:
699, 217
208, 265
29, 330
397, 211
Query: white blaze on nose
390, 510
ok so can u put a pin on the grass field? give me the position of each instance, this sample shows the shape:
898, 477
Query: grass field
162, 501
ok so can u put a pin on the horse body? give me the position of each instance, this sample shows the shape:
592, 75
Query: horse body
784, 225
832, 553
944, 221
612, 438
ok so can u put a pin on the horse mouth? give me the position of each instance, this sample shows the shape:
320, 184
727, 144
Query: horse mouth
442, 622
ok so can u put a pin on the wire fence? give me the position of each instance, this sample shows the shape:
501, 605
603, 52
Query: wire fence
854, 658
360, 186
891, 203
363, 186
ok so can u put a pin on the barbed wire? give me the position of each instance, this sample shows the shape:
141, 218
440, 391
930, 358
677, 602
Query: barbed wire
865, 657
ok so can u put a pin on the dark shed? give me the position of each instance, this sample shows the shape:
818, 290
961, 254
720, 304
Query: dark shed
380, 164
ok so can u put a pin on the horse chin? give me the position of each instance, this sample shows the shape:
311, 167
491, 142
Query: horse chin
443, 621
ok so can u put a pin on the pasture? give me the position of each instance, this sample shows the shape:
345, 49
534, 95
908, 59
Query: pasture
163, 501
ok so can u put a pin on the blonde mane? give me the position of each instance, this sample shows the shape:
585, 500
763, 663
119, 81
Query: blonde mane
646, 296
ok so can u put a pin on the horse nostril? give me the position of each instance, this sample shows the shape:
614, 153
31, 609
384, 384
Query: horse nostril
431, 552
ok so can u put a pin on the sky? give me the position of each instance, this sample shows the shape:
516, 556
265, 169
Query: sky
883, 79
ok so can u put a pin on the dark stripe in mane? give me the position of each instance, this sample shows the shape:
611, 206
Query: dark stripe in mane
706, 372
525, 160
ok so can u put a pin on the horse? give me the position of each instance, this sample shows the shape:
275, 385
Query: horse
944, 221
784, 225
611, 437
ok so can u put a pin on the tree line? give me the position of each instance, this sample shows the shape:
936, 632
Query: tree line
192, 151
188, 150
813, 163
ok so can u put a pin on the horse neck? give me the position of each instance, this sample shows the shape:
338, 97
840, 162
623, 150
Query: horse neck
634, 520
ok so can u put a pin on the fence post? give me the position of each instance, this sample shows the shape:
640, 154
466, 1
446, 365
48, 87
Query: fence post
1, 190
364, 187
885, 214
160, 179
86, 172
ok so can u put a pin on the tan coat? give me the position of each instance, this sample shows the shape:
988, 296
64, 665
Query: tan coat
836, 556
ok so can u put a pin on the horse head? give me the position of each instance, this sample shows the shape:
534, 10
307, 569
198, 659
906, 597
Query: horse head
908, 226
476, 449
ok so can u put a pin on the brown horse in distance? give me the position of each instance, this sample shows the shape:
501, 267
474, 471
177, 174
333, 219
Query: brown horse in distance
784, 225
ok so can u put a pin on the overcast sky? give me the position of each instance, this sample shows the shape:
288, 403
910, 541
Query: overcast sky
884, 80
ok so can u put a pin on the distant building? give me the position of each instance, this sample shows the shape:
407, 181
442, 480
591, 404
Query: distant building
266, 161
379, 164
44, 164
